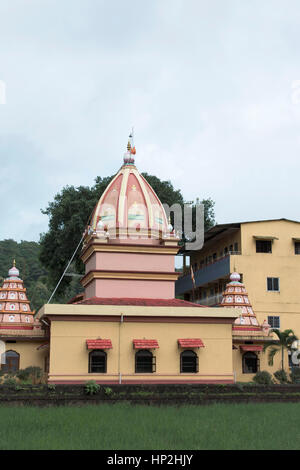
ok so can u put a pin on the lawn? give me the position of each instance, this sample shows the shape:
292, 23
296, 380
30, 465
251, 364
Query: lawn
124, 426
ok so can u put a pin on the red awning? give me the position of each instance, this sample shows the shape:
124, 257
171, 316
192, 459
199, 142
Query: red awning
145, 344
190, 343
250, 347
98, 344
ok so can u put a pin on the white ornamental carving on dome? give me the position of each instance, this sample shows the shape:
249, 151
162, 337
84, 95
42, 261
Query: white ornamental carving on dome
250, 310
244, 309
22, 296
246, 299
5, 285
239, 299
25, 307
0, 306
27, 319
3, 295
12, 306
12, 295
238, 289
229, 299
254, 321
230, 289
11, 318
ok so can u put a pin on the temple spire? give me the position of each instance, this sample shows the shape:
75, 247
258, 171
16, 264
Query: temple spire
128, 156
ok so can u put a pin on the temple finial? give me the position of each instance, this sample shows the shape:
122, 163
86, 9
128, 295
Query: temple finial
128, 156
14, 263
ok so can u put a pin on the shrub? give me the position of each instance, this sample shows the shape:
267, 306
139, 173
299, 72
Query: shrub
281, 376
23, 374
32, 373
51, 387
108, 391
295, 375
263, 377
10, 382
91, 387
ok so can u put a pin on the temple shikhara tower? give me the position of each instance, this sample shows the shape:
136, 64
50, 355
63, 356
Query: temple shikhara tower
21, 332
129, 246
15, 311
248, 336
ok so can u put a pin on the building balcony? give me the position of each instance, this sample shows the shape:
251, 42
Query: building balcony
208, 273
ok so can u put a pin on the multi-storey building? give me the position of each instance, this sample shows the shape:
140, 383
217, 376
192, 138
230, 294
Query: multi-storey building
265, 253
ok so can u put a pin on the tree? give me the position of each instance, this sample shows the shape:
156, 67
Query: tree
284, 342
69, 214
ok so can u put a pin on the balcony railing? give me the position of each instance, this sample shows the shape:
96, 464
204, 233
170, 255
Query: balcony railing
209, 273
187, 269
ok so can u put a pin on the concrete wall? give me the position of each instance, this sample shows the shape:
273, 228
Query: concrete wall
69, 356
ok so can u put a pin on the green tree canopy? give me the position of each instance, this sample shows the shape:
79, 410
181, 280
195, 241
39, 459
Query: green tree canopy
69, 213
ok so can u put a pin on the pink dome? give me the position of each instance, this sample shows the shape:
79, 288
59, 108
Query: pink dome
130, 202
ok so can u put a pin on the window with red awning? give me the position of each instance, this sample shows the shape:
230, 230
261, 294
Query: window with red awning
145, 344
98, 344
190, 343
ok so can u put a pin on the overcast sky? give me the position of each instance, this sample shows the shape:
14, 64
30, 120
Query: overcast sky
209, 86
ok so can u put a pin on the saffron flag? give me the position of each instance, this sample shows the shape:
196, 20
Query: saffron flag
193, 277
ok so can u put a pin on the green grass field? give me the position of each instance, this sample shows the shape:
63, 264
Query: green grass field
124, 426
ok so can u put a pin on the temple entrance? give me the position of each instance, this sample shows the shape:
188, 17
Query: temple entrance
250, 363
12, 362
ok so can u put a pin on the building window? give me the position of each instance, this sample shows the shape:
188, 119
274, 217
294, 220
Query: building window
97, 361
250, 363
273, 284
189, 362
145, 362
263, 246
236, 247
297, 248
274, 322
231, 248
225, 250
12, 361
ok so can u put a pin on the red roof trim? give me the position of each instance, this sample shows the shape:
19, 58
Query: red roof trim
190, 343
98, 344
145, 344
15, 327
250, 347
246, 328
139, 302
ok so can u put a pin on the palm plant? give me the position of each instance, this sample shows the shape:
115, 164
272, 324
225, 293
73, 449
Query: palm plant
284, 341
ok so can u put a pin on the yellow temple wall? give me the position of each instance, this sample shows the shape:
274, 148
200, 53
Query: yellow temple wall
29, 355
69, 355
263, 359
